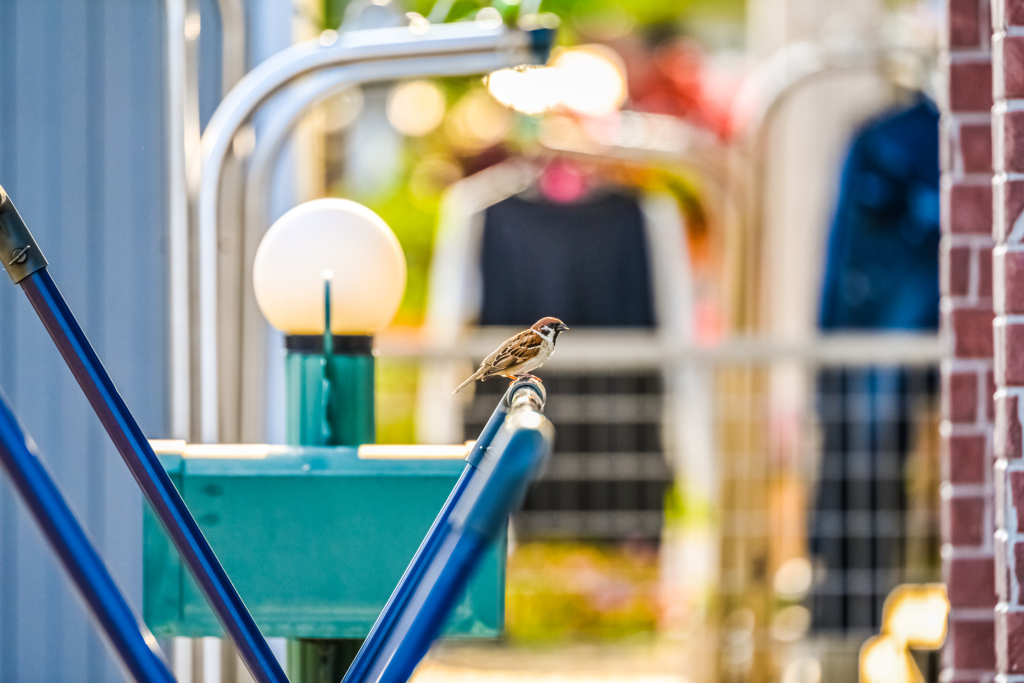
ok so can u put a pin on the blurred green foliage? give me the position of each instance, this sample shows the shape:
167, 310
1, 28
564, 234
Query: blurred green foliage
642, 12
560, 592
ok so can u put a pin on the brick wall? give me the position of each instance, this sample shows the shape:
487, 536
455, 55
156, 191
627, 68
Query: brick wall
1008, 288
968, 383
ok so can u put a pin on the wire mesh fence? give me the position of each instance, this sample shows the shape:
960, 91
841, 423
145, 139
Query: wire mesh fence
811, 493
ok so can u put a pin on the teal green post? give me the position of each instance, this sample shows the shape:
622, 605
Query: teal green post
329, 397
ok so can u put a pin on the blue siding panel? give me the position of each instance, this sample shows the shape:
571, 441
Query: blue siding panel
82, 153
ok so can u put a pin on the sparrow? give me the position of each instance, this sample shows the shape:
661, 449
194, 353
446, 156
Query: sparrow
520, 355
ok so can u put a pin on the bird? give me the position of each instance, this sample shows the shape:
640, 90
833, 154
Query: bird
518, 356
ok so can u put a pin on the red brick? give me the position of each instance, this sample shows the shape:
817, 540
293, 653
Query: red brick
968, 458
970, 86
1006, 440
1009, 344
972, 582
1009, 640
1013, 12
972, 332
1016, 490
960, 391
1013, 66
964, 24
1018, 558
984, 260
956, 270
1010, 197
1011, 263
970, 209
966, 520
976, 148
1013, 140
973, 643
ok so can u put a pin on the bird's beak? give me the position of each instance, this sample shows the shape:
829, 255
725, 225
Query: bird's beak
563, 326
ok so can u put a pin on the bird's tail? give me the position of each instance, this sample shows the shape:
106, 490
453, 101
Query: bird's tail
469, 380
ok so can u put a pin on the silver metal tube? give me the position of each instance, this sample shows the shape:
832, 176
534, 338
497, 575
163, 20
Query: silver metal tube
631, 351
232, 37
274, 135
182, 17
385, 54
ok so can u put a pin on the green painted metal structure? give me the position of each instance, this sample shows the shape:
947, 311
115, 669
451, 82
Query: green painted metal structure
329, 396
314, 539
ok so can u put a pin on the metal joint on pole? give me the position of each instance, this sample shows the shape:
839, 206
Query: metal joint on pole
19, 252
511, 451
138, 456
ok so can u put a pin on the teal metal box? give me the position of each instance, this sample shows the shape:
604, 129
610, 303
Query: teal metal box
314, 539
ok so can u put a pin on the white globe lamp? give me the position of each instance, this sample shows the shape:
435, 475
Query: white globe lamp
329, 274
339, 242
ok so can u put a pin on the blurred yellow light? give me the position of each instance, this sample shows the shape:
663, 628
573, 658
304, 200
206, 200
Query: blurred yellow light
416, 108
336, 241
593, 79
883, 659
528, 89
477, 121
793, 579
916, 615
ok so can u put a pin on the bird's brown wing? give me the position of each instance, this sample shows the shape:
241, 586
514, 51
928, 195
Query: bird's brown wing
514, 352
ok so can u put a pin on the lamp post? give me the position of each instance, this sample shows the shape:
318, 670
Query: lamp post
329, 274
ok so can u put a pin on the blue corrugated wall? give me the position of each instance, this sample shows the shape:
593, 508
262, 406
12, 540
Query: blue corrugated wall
82, 154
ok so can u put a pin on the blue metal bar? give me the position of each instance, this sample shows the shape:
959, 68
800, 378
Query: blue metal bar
413, 574
129, 637
26, 266
138, 455
493, 492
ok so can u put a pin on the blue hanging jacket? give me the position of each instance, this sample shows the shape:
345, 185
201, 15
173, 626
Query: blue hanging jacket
882, 269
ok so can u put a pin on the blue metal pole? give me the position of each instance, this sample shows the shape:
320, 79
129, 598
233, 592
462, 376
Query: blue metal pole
27, 267
494, 491
425, 553
131, 640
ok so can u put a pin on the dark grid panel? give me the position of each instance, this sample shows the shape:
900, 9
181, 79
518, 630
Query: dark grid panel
863, 537
608, 477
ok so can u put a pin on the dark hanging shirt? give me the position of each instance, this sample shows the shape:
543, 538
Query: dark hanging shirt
585, 263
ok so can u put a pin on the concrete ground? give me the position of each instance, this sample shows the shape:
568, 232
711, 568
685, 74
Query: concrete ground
502, 663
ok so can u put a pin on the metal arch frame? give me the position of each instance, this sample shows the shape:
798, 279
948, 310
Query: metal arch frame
380, 54
786, 72
296, 103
